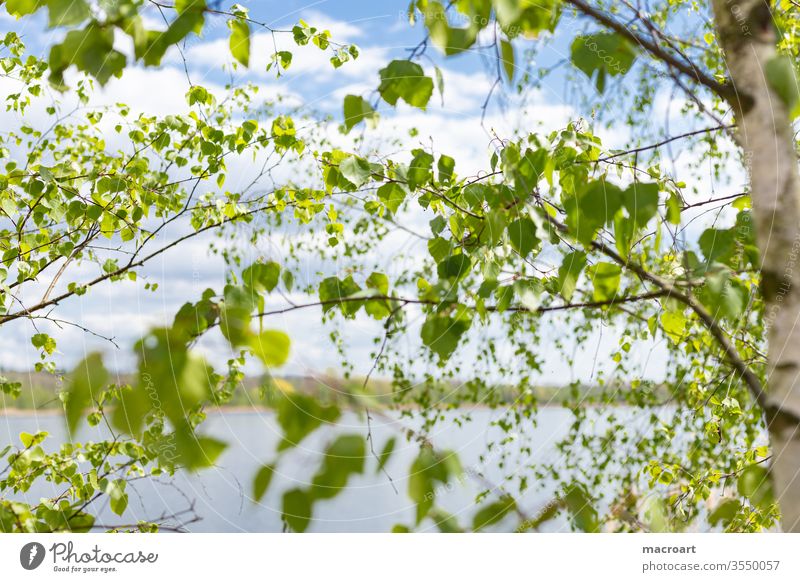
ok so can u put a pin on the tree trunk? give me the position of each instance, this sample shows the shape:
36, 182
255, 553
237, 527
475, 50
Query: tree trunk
747, 35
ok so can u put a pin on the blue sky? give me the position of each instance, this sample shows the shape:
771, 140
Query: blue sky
454, 126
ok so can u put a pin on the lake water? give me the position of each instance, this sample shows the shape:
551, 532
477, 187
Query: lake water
222, 495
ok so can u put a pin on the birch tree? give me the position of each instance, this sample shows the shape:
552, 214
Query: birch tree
557, 238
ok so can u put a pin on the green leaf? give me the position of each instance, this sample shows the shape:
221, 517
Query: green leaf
392, 195
571, 268
528, 292
527, 18
495, 225
356, 110
379, 282
12, 389
718, 245
581, 509
641, 203
343, 458
755, 484
594, 206
91, 50
455, 267
522, 236
674, 325
439, 248
288, 280
640, 199
723, 295
441, 333
181, 381
199, 94
31, 440
357, 171
405, 80
451, 40
446, 166
782, 77
378, 308
299, 415
297, 509
333, 289
492, 513
236, 314
44, 342
183, 6
422, 482
87, 380
271, 347
444, 521
240, 40
419, 172
283, 59
67, 12
193, 319
262, 276
603, 53
386, 453
475, 195
605, 278
303, 33
674, 207
428, 469
438, 224
504, 295
439, 83
118, 499
197, 452
261, 481
656, 515
80, 522
22, 7
725, 512
507, 56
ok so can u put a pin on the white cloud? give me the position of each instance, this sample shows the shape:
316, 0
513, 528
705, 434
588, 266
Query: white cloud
151, 91
309, 63
341, 31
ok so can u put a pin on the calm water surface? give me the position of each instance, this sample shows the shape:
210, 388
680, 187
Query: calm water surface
222, 495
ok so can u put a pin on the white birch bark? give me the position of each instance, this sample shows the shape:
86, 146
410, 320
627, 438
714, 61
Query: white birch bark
748, 38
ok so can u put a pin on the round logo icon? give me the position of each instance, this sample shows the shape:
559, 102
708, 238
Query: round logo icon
31, 555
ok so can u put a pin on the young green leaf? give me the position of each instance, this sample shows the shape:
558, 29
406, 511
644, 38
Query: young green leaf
87, 380
297, 510
601, 55
405, 80
261, 481
507, 57
240, 40
271, 347
356, 110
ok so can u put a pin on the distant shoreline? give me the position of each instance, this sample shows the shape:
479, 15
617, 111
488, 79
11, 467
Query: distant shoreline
241, 409
57, 412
